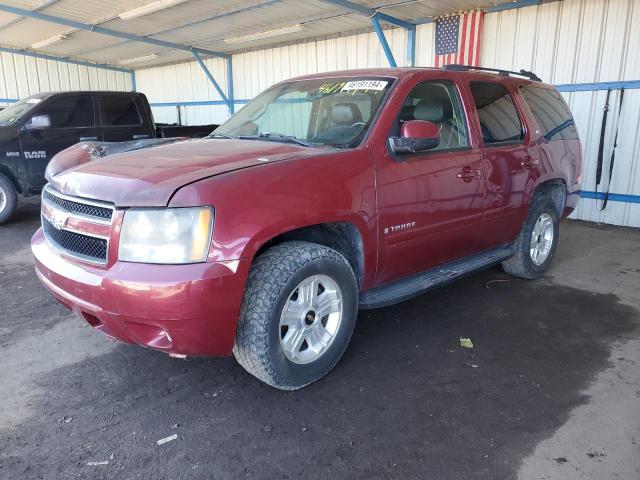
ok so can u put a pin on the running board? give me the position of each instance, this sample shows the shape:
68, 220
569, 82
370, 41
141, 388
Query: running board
406, 288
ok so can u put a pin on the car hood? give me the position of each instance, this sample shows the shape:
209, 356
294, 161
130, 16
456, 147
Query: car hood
149, 177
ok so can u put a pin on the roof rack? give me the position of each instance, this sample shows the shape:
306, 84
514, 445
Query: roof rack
465, 68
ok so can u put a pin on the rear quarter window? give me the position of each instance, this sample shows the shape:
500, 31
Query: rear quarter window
119, 110
551, 113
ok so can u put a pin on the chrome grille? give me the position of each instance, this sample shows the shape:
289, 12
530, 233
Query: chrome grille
93, 210
93, 249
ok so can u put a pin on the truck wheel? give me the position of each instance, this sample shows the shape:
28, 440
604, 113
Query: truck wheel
297, 316
536, 243
8, 199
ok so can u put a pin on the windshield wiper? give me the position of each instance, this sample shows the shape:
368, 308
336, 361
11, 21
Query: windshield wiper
278, 136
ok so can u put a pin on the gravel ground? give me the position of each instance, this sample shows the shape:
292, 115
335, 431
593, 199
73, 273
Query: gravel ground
551, 388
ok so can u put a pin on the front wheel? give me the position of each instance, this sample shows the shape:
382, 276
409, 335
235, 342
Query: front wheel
298, 314
8, 199
536, 243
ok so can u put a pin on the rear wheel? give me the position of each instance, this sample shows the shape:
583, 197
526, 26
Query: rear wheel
536, 243
298, 314
8, 199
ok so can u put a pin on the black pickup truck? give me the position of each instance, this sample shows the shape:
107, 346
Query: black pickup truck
34, 129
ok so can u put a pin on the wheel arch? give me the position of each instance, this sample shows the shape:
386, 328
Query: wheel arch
342, 236
556, 189
7, 173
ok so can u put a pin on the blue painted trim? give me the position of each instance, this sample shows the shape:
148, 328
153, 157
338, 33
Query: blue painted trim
383, 41
518, 4
495, 8
375, 17
231, 105
591, 87
411, 46
213, 81
370, 12
107, 31
8, 100
44, 56
614, 197
200, 103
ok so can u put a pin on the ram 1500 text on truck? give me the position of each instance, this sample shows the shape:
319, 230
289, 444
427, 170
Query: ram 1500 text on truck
36, 128
325, 194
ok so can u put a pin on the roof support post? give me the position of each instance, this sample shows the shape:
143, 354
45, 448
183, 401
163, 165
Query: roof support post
376, 16
232, 106
215, 84
383, 41
411, 46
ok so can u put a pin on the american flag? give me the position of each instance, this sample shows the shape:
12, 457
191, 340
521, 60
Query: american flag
458, 38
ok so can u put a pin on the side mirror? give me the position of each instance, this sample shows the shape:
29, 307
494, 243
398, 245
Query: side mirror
415, 136
38, 122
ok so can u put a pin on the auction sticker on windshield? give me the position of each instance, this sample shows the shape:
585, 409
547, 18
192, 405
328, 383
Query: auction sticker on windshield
365, 85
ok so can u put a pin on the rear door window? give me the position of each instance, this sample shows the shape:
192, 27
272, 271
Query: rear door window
69, 111
499, 119
119, 110
551, 112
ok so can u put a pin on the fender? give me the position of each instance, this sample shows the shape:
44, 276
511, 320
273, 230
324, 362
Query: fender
293, 194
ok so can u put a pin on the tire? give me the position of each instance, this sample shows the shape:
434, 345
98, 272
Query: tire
8, 199
524, 263
263, 339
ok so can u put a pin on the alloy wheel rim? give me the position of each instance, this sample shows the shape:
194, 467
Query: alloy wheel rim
310, 319
3, 200
541, 239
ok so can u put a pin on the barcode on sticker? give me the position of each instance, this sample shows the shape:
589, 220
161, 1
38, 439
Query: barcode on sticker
365, 85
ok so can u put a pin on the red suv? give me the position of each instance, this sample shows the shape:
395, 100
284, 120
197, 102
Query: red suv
325, 194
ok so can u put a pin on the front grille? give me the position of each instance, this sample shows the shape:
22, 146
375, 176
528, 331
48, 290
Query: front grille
88, 210
82, 246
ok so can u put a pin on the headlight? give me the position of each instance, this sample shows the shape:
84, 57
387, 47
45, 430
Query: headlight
168, 235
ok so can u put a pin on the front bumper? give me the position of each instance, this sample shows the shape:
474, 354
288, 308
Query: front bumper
179, 309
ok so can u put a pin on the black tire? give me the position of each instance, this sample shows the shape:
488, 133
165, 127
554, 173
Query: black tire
275, 274
10, 196
521, 264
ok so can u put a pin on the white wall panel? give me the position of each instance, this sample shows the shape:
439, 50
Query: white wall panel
185, 82
21, 76
582, 41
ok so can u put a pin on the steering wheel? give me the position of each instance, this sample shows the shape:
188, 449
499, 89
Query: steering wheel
358, 123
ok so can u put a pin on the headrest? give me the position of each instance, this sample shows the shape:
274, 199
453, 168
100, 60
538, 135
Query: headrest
406, 113
429, 110
346, 113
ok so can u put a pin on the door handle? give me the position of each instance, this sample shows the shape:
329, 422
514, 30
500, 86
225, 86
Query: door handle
87, 139
140, 137
467, 174
528, 162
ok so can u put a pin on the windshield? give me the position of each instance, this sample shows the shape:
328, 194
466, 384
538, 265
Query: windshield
334, 112
13, 112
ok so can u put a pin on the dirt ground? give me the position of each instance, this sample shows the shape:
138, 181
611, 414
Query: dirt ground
550, 390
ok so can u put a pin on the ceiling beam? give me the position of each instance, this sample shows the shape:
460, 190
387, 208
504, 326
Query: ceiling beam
107, 31
218, 15
370, 12
375, 17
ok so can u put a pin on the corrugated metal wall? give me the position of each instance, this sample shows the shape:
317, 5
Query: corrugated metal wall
185, 82
21, 76
582, 41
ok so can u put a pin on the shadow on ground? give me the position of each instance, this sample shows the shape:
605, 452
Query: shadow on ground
406, 401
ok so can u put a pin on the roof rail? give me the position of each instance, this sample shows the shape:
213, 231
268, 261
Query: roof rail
465, 68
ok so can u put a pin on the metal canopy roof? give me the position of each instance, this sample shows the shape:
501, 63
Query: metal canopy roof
209, 26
